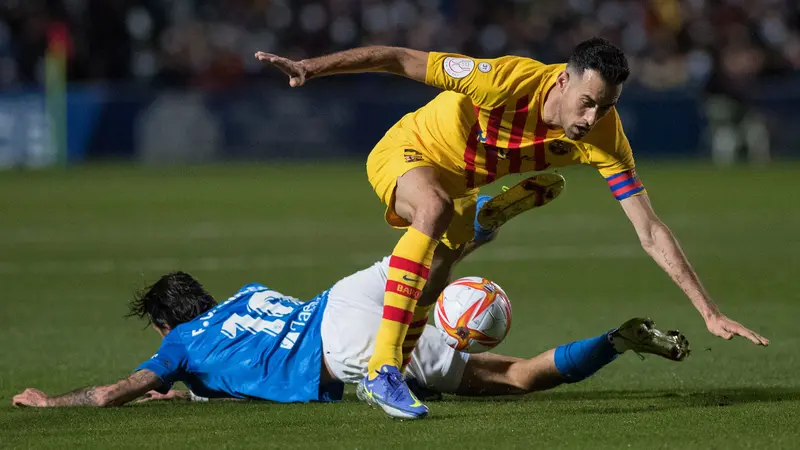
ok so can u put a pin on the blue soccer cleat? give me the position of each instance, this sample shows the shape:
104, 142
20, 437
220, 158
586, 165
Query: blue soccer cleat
390, 392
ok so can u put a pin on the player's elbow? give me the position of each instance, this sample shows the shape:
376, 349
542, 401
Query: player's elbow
652, 234
412, 63
648, 242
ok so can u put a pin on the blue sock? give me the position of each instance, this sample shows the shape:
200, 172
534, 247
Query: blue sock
581, 359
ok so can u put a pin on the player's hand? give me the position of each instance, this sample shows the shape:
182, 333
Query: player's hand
30, 397
726, 328
153, 395
294, 69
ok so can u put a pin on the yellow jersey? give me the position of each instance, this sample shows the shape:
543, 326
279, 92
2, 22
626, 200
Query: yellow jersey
487, 124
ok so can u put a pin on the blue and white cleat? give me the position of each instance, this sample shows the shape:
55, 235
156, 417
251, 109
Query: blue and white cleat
390, 392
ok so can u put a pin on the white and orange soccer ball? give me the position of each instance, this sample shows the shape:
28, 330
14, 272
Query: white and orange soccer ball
474, 314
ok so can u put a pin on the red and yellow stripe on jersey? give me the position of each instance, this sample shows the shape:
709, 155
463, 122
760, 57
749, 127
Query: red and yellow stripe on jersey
487, 124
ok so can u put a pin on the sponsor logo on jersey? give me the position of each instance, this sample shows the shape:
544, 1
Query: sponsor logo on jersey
458, 67
408, 291
484, 67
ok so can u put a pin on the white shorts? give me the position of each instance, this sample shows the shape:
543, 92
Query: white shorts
350, 323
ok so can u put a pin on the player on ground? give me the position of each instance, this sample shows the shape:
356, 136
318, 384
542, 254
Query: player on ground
263, 345
496, 117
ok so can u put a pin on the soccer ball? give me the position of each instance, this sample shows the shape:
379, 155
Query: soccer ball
474, 313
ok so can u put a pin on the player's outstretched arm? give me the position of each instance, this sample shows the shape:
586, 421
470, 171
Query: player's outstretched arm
659, 242
399, 61
115, 394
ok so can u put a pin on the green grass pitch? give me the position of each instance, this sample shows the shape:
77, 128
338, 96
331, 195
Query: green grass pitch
75, 244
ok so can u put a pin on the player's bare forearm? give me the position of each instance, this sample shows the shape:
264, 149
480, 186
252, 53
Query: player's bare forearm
664, 248
115, 394
399, 61
89, 396
661, 245
659, 242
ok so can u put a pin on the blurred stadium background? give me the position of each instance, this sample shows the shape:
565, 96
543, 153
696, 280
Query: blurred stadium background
182, 153
174, 80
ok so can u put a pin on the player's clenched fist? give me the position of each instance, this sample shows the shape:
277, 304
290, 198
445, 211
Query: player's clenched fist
294, 69
30, 397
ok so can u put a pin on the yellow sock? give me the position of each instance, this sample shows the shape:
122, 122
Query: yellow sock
415, 329
408, 271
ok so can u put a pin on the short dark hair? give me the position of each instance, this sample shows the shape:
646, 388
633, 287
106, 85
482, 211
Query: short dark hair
601, 56
174, 299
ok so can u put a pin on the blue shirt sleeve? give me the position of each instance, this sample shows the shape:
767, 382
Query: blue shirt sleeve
168, 363
250, 287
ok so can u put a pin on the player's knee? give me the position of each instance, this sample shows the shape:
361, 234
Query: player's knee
435, 213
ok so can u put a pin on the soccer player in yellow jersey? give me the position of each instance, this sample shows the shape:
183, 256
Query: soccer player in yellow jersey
494, 117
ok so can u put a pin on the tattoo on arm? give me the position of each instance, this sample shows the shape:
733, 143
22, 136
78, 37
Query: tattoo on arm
78, 397
116, 394
676, 273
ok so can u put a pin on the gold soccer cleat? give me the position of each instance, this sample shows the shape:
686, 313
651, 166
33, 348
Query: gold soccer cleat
532, 192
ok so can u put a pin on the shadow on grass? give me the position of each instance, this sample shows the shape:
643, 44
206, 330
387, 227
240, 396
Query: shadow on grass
647, 400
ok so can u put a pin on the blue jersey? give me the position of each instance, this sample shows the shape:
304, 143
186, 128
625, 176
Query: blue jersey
258, 344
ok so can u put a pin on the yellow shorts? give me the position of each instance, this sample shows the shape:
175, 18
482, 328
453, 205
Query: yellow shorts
391, 158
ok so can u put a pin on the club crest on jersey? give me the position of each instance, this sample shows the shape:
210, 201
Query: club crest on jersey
458, 67
560, 147
411, 155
